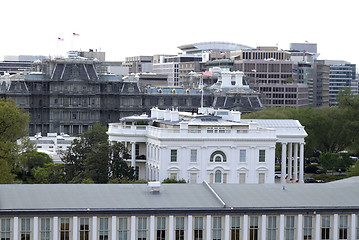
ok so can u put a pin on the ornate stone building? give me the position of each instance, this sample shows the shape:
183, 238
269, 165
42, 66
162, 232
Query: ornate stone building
70, 95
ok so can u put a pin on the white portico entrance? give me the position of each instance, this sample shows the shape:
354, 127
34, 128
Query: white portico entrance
290, 134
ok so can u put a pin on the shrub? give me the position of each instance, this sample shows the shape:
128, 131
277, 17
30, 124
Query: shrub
171, 180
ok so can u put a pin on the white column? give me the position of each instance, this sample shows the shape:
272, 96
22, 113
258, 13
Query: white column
152, 228
189, 227
281, 227
317, 226
16, 228
290, 161
284, 157
264, 227
133, 228
114, 227
295, 162
335, 227
55, 228
226, 227
300, 227
74, 228
36, 228
301, 163
245, 227
94, 227
133, 154
209, 228
170, 228
353, 227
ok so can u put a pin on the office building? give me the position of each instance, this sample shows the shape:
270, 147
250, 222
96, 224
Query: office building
180, 211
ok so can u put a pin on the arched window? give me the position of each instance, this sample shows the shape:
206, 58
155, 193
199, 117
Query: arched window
218, 156
218, 176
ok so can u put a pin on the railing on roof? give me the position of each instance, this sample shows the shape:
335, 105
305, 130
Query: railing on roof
118, 129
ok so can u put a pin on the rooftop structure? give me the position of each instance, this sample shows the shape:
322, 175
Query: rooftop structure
211, 145
199, 48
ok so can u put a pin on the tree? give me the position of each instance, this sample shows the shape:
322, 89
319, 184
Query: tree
119, 168
50, 173
27, 162
327, 127
353, 170
92, 157
335, 161
13, 123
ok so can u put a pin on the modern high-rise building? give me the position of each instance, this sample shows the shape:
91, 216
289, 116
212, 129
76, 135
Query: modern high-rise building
138, 64
342, 76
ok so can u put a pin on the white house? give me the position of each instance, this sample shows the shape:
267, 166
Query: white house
213, 145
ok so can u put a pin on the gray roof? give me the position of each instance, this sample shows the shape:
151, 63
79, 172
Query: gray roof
20, 197
102, 196
284, 127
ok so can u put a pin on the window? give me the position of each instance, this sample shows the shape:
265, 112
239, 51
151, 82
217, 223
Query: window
261, 178
25, 230
179, 231
235, 228
103, 229
325, 227
242, 155
262, 155
242, 178
193, 178
64, 228
123, 229
173, 176
215, 129
272, 228
343, 227
253, 228
142, 228
161, 228
137, 149
218, 176
173, 155
217, 228
308, 227
289, 228
45, 229
193, 155
198, 228
5, 230
84, 228
218, 156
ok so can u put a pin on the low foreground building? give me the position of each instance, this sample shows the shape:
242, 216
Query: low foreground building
180, 211
216, 146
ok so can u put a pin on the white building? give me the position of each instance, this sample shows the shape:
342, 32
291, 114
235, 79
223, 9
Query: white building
180, 211
214, 146
52, 144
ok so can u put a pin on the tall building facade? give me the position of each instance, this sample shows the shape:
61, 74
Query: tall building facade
72, 94
276, 80
342, 76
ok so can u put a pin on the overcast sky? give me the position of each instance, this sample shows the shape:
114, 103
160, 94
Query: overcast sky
147, 27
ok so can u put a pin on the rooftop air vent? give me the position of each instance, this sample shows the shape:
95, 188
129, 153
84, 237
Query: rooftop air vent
154, 186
